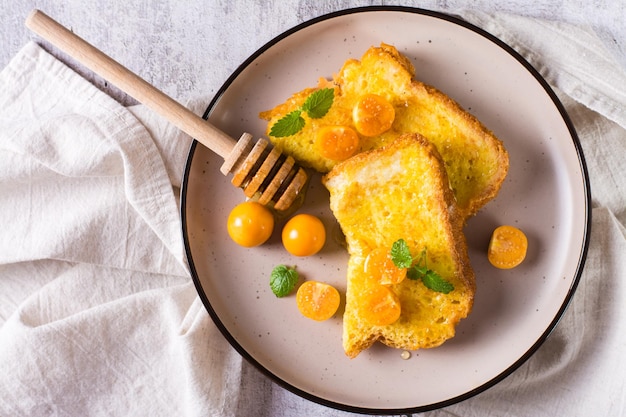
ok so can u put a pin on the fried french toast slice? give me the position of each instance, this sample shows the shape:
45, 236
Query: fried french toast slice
400, 191
475, 159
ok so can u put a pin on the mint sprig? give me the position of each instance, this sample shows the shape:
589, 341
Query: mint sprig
288, 125
283, 280
401, 257
316, 106
319, 102
433, 281
400, 254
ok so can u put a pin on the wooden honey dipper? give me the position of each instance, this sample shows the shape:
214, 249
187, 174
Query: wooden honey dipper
257, 169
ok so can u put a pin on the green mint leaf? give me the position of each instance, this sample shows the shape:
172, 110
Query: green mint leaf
283, 280
413, 274
422, 259
433, 281
288, 125
416, 272
319, 102
316, 106
400, 254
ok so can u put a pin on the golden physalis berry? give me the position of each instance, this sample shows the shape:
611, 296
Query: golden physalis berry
250, 224
507, 248
317, 300
337, 142
380, 267
304, 235
380, 306
373, 115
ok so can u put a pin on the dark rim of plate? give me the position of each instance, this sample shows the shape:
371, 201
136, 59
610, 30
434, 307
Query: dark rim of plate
581, 260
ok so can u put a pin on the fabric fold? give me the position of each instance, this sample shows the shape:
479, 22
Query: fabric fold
572, 57
100, 316
91, 164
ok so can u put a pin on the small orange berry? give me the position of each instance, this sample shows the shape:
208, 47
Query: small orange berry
373, 115
380, 267
380, 306
304, 235
250, 224
507, 248
317, 300
337, 142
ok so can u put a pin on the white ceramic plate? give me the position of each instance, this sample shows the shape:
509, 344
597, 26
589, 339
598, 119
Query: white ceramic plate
546, 194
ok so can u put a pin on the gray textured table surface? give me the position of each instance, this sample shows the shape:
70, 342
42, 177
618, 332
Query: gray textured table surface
189, 48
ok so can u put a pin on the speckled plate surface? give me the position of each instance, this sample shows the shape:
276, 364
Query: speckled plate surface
546, 194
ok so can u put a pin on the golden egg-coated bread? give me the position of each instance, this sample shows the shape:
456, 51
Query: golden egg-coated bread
475, 160
400, 191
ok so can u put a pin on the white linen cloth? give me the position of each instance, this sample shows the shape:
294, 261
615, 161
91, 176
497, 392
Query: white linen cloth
99, 315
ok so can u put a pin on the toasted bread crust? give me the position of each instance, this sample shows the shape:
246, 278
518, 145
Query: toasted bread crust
401, 191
